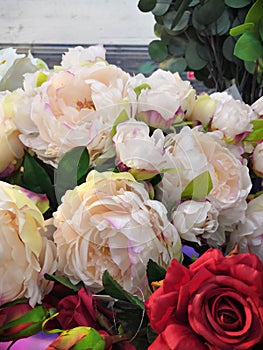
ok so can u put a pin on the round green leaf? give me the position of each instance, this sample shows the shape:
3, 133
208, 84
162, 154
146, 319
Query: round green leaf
177, 46
157, 50
228, 48
195, 21
193, 59
248, 47
147, 5
237, 4
158, 28
194, 3
147, 67
161, 7
210, 11
250, 67
222, 25
255, 13
169, 19
174, 65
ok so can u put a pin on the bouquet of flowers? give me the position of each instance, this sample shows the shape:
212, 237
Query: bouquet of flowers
131, 209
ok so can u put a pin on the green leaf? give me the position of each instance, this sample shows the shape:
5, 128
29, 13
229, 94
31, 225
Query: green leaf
242, 28
210, 11
147, 5
222, 25
141, 87
248, 47
255, 13
157, 50
41, 78
260, 29
147, 67
114, 289
161, 7
257, 133
151, 335
36, 179
228, 48
174, 64
72, 170
155, 272
170, 24
122, 117
93, 340
65, 281
199, 187
193, 59
237, 4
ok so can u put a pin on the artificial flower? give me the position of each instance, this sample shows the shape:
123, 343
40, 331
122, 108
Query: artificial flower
197, 221
137, 152
257, 159
193, 152
79, 56
110, 223
79, 107
25, 255
249, 234
12, 149
161, 98
215, 304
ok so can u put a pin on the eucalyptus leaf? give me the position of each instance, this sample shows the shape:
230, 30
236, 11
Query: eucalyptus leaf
177, 46
222, 25
174, 64
248, 47
210, 11
195, 20
114, 289
147, 67
193, 59
71, 171
147, 5
237, 3
157, 50
199, 187
228, 48
161, 7
158, 28
255, 13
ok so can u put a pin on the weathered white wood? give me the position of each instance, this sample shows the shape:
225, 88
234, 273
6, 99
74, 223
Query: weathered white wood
116, 22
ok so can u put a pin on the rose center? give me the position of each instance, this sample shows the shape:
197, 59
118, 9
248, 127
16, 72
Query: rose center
229, 313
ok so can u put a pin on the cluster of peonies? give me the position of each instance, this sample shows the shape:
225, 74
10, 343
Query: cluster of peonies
166, 167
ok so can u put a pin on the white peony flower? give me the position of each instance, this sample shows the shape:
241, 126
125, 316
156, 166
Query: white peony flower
232, 117
109, 223
25, 256
137, 152
12, 149
257, 106
198, 221
193, 152
79, 55
74, 109
7, 58
257, 159
161, 98
249, 234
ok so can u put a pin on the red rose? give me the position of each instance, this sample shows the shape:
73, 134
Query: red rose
216, 304
77, 310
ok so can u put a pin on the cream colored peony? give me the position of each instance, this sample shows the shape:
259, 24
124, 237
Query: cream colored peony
12, 149
74, 108
193, 152
77, 56
197, 221
25, 256
257, 159
249, 234
137, 152
109, 223
161, 98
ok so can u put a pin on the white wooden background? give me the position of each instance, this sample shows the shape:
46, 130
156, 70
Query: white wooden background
116, 22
